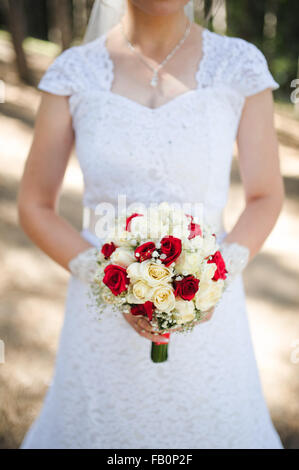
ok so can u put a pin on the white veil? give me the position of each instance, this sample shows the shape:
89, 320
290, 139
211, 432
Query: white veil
107, 13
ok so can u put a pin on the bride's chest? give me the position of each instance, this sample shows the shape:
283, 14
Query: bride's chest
193, 126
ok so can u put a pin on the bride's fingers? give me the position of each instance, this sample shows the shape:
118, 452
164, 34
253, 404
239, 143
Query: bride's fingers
176, 328
207, 316
143, 328
148, 334
143, 324
152, 337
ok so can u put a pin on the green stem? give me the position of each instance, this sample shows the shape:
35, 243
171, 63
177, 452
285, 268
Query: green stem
159, 352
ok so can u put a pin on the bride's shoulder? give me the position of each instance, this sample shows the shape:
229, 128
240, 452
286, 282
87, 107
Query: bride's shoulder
237, 63
75, 68
83, 53
233, 48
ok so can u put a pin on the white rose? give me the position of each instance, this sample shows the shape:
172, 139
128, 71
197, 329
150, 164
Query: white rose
139, 293
209, 245
134, 271
100, 257
121, 238
207, 271
139, 226
150, 272
208, 295
179, 218
188, 263
158, 230
164, 211
163, 298
184, 311
123, 257
181, 230
196, 243
164, 208
157, 226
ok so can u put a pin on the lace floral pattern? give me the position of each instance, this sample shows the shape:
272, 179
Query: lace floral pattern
106, 393
84, 265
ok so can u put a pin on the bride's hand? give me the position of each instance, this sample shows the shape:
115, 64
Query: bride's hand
207, 317
143, 327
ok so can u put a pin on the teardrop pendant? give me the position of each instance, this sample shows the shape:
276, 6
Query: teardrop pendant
154, 80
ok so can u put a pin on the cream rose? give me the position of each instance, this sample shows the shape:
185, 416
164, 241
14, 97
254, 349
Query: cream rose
207, 271
121, 238
139, 226
209, 245
164, 208
184, 311
123, 257
151, 273
157, 228
163, 298
139, 293
181, 230
188, 263
195, 243
208, 295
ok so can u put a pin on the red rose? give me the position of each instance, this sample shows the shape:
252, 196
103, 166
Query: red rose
221, 271
144, 251
128, 221
108, 249
145, 309
186, 288
195, 230
116, 278
172, 248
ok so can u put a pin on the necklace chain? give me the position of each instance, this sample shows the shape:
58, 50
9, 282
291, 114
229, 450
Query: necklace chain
156, 70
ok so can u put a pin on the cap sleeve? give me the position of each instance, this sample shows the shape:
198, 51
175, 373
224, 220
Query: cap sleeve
62, 77
252, 74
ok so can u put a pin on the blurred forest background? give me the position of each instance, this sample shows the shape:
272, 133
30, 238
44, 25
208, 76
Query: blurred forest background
32, 34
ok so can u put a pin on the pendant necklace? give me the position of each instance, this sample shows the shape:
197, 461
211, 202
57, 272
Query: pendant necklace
156, 70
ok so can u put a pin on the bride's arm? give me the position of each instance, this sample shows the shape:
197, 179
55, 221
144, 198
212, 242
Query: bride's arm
42, 179
260, 173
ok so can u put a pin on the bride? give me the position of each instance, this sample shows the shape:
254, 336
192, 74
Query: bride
154, 104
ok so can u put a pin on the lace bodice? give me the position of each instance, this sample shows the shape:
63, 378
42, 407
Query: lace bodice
180, 151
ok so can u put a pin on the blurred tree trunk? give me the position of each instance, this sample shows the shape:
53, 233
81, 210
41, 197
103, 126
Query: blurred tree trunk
16, 19
270, 28
208, 6
287, 41
80, 12
246, 19
63, 16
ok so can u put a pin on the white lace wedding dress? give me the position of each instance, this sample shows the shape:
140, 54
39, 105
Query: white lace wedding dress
106, 392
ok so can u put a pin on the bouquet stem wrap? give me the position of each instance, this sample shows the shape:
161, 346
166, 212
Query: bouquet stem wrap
159, 351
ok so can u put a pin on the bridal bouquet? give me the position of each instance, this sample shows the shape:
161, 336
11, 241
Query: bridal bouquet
160, 263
